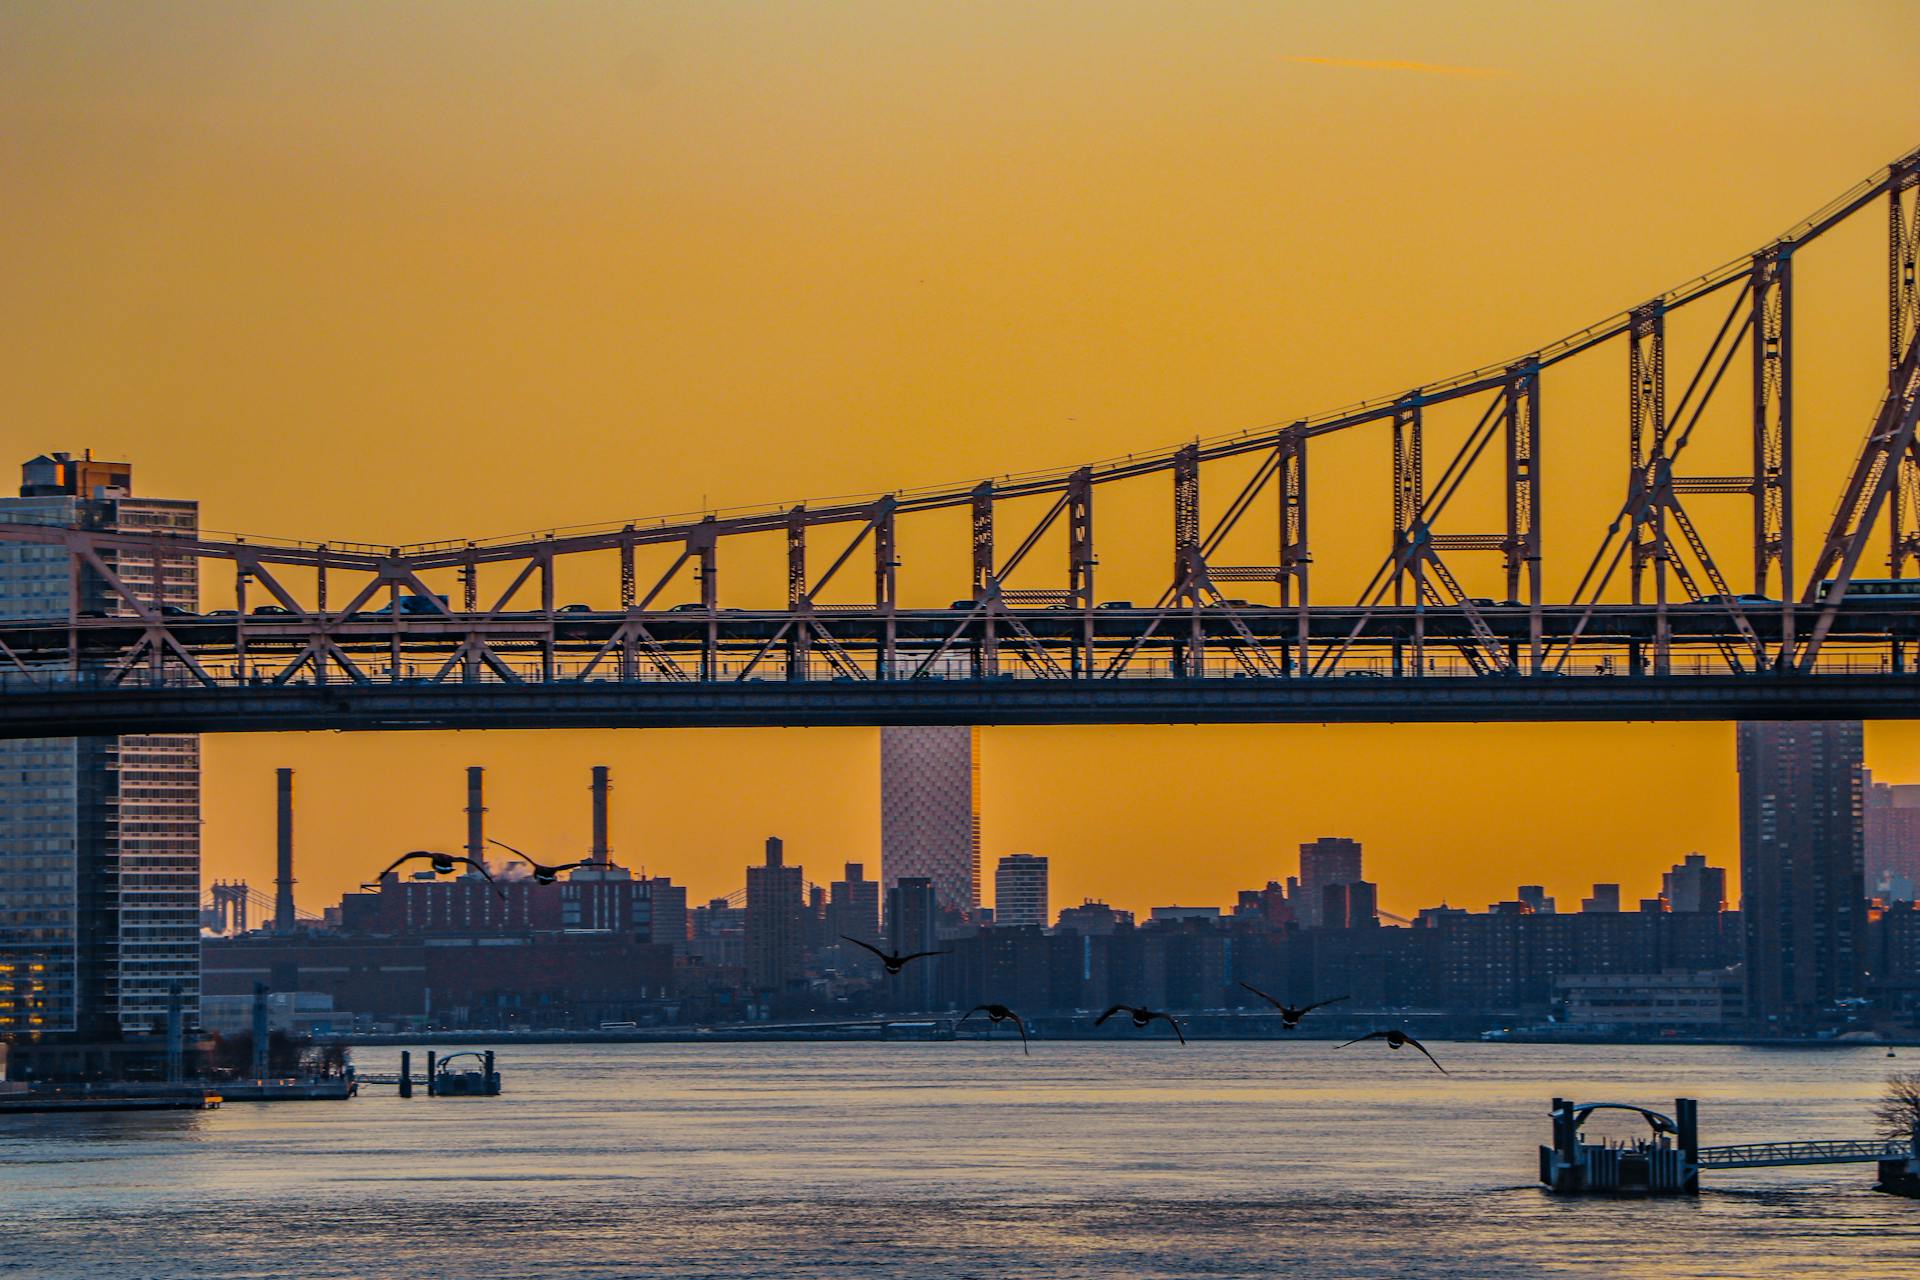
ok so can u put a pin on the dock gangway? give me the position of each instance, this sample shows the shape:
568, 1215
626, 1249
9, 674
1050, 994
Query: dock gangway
1762, 1155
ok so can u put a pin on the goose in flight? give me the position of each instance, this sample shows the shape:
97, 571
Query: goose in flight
893, 962
542, 873
997, 1014
1141, 1018
1396, 1039
442, 864
1290, 1014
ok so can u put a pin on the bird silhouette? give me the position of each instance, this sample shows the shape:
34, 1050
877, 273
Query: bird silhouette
997, 1014
1396, 1039
1142, 1017
1290, 1014
542, 873
442, 864
893, 962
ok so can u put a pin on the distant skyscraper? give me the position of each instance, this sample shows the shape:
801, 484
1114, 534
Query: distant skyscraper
854, 912
1803, 902
912, 925
1326, 861
774, 923
1892, 831
1334, 903
99, 837
1020, 890
669, 914
930, 811
1693, 886
1363, 904
1605, 900
1535, 896
1092, 917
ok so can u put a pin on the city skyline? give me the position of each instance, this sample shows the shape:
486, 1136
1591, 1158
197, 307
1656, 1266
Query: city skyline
708, 867
1318, 864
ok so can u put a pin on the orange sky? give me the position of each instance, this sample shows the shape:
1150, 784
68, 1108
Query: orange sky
398, 272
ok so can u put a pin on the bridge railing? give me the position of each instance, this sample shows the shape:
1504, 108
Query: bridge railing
431, 671
1759, 1154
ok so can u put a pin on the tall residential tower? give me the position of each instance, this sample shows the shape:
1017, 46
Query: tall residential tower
1802, 896
99, 837
1020, 890
930, 811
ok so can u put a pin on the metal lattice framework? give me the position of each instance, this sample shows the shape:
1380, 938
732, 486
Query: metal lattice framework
407, 634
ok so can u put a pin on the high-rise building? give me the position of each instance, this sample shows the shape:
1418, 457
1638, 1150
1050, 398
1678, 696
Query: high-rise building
775, 923
1020, 890
853, 911
1535, 896
1326, 861
913, 916
1333, 906
1694, 886
1363, 904
1892, 832
1605, 899
1803, 900
1094, 918
669, 914
930, 811
1270, 905
853, 908
717, 934
99, 837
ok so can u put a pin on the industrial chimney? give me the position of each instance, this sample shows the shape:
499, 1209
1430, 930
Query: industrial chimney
600, 854
283, 875
476, 820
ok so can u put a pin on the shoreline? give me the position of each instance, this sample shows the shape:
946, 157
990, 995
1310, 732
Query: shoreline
909, 1034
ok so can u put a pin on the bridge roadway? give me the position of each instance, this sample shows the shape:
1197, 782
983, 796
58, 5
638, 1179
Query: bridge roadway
1869, 620
69, 710
389, 670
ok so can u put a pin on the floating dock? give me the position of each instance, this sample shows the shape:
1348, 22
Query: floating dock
333, 1089
442, 1081
1670, 1159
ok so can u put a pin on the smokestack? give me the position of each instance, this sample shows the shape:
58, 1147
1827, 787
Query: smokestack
600, 853
476, 820
283, 878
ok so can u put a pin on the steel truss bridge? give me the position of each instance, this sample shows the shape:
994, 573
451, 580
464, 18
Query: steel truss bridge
475, 633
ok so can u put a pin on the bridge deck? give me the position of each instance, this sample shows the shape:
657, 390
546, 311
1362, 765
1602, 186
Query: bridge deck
57, 711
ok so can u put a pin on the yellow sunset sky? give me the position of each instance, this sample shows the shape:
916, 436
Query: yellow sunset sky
404, 271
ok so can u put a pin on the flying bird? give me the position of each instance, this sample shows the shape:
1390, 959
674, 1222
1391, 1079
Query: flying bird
1396, 1039
997, 1014
1290, 1014
442, 864
893, 962
1142, 1017
542, 873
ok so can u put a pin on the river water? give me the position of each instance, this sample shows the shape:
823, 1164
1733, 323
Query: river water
1131, 1158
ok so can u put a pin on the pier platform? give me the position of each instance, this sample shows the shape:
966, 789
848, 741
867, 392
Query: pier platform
1670, 1159
43, 1103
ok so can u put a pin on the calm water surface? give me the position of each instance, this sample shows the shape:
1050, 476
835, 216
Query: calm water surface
1087, 1159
